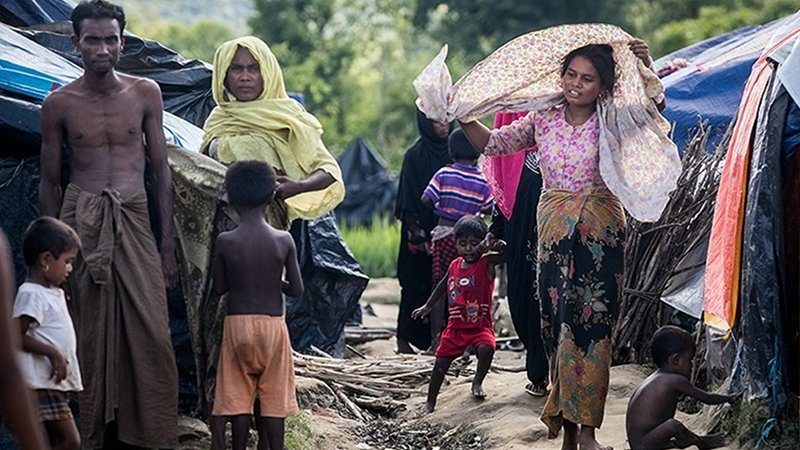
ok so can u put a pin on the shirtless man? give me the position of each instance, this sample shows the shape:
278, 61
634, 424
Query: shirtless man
110, 124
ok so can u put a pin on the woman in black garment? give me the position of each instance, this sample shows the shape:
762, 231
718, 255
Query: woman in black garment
420, 163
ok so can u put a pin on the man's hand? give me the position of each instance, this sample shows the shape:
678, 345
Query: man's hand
58, 366
170, 267
642, 51
421, 312
287, 187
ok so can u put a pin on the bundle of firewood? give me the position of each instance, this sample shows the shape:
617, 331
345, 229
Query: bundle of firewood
654, 251
367, 387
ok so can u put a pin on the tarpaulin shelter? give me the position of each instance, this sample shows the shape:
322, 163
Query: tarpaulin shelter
752, 264
20, 13
747, 293
35, 62
710, 85
371, 188
705, 82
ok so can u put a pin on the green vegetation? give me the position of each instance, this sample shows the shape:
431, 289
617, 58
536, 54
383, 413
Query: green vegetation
354, 60
375, 247
299, 434
746, 422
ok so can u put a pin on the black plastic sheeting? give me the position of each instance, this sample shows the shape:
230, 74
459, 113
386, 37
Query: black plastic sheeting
20, 121
759, 365
333, 283
21, 13
19, 187
371, 188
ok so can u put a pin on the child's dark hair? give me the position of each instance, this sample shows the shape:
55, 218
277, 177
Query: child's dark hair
668, 341
250, 183
97, 9
47, 234
470, 226
460, 148
602, 58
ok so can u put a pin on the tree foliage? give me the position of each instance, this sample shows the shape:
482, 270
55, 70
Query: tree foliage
476, 27
354, 60
673, 24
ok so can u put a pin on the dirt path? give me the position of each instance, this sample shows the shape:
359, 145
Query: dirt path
508, 418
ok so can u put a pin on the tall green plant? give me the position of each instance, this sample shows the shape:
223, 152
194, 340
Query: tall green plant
375, 246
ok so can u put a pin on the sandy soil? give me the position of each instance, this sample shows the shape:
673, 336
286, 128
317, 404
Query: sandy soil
507, 419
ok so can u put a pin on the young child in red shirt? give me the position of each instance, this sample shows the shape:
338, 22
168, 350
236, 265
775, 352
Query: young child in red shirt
469, 284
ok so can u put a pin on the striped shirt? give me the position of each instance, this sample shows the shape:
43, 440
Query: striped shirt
457, 190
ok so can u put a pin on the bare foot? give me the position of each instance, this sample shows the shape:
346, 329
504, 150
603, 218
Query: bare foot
593, 445
477, 391
711, 441
429, 407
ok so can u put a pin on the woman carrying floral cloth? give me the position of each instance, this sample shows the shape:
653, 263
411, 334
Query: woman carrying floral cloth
602, 146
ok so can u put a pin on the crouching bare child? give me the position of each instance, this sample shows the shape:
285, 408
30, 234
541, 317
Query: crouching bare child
650, 420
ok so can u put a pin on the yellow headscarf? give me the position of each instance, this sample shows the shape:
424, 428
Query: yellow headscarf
272, 128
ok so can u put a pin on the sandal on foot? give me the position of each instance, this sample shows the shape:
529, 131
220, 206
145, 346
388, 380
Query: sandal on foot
536, 390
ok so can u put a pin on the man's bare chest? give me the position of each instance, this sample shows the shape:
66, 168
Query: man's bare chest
102, 123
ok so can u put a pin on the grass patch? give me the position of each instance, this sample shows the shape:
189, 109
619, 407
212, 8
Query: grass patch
745, 422
299, 434
374, 246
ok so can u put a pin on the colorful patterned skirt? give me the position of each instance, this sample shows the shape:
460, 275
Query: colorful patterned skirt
580, 274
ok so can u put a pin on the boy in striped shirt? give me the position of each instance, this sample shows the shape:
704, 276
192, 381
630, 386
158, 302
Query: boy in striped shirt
456, 190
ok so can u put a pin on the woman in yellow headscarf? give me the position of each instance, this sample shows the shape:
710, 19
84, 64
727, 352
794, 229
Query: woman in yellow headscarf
256, 119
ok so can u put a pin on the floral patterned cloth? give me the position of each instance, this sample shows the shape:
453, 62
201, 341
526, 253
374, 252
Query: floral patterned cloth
580, 275
568, 156
637, 160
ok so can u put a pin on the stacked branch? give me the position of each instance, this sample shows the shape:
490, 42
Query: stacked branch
360, 335
370, 387
654, 251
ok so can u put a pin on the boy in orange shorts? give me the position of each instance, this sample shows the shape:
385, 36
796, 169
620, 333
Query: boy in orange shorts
256, 356
468, 284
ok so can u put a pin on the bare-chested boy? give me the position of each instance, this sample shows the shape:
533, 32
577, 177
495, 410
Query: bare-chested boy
110, 124
256, 354
650, 419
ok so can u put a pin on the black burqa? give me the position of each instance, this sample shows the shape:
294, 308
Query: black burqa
519, 232
420, 163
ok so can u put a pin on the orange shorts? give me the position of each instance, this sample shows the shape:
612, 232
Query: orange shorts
255, 359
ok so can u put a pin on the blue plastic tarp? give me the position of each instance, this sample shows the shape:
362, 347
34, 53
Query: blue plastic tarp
710, 87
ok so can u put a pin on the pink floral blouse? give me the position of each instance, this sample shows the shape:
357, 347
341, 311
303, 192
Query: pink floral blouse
568, 156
